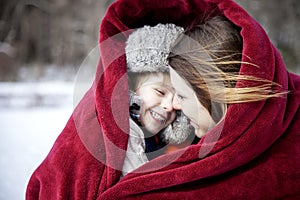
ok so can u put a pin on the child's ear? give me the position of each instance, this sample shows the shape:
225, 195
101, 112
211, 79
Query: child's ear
134, 100
135, 103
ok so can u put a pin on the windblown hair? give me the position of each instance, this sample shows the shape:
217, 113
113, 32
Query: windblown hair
208, 56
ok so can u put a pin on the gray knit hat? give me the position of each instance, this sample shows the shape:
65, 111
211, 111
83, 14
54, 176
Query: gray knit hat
147, 48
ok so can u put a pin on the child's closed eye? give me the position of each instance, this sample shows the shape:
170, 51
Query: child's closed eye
160, 91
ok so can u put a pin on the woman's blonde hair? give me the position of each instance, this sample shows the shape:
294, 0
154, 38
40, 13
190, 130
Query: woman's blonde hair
208, 57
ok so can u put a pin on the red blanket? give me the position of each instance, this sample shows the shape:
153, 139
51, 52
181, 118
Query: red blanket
253, 154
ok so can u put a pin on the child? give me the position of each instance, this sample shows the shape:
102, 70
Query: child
151, 95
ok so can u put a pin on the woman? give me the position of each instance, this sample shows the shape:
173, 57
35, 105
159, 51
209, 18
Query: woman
215, 80
205, 65
252, 153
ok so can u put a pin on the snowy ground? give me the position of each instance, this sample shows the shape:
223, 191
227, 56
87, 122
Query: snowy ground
31, 117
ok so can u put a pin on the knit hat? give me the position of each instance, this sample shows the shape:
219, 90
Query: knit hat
147, 48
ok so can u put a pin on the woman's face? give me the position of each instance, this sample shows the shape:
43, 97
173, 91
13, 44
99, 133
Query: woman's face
185, 99
157, 109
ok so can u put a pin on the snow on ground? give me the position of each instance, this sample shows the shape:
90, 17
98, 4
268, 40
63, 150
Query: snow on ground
32, 115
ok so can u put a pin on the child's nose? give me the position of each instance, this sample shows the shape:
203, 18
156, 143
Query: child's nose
167, 104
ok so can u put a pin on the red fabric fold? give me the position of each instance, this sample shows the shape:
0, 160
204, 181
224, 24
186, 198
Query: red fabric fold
254, 153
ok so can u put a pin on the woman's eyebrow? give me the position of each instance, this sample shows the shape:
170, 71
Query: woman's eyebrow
170, 88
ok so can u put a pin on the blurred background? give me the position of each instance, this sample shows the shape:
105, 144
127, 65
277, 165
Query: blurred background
42, 46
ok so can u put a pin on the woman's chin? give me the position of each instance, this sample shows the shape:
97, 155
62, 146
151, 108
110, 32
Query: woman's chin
200, 133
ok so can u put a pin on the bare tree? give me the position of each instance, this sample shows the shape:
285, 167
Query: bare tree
62, 32
281, 21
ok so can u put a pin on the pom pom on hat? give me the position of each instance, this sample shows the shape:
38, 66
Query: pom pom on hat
147, 48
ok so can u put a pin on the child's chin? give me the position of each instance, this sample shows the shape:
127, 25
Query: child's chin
153, 131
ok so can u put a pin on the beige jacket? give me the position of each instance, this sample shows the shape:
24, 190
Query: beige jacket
135, 154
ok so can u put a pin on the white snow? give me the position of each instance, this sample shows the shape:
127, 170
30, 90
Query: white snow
32, 115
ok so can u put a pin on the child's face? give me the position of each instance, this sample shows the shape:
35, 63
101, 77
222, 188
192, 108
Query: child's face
157, 96
186, 100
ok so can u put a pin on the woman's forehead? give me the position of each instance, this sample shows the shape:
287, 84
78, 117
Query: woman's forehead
180, 84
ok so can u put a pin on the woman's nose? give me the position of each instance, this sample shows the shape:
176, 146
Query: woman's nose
176, 104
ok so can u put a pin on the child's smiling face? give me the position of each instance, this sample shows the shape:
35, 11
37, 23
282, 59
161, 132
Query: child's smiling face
157, 103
